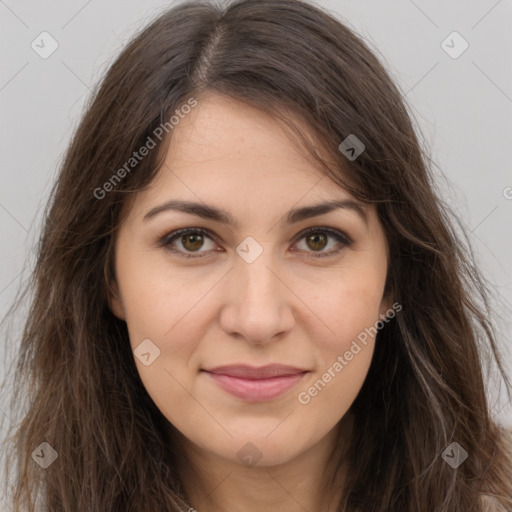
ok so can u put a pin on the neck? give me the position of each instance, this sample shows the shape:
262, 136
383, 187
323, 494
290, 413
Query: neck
312, 480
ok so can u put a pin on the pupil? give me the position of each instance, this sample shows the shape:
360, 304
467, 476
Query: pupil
318, 241
196, 242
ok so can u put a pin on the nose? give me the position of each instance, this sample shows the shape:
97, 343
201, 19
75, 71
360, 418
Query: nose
257, 303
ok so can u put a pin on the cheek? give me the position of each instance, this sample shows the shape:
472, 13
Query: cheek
160, 301
163, 309
350, 311
348, 307
173, 310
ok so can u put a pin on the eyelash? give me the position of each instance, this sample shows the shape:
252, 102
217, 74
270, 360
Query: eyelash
340, 237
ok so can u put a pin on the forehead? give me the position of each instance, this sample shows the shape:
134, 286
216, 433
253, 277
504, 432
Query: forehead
226, 145
222, 131
233, 157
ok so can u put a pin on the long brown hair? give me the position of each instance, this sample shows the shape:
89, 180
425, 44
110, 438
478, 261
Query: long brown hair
75, 369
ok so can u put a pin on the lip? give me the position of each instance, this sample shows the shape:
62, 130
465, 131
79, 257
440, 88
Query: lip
256, 384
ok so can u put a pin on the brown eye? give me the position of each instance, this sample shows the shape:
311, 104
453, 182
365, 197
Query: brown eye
192, 242
185, 242
316, 241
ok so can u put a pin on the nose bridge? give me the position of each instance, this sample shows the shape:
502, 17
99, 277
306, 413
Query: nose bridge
258, 306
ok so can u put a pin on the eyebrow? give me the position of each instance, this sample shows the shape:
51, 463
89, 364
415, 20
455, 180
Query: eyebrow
293, 216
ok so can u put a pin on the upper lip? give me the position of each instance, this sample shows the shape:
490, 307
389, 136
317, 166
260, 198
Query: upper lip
245, 371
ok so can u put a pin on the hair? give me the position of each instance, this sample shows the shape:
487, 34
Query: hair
75, 370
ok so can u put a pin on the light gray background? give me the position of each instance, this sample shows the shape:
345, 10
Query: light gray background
462, 105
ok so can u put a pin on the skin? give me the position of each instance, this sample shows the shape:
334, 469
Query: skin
288, 306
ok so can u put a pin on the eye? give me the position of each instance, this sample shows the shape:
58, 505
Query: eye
318, 238
188, 242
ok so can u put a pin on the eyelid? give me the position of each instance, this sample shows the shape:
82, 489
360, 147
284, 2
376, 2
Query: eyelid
340, 236
337, 234
167, 239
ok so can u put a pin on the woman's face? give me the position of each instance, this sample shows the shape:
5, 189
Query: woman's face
252, 289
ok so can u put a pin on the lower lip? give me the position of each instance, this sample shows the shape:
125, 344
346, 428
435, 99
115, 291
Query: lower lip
256, 390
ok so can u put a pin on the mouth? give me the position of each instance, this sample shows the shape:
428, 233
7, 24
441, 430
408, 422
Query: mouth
254, 384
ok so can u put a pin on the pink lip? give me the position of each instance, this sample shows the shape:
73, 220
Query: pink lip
256, 384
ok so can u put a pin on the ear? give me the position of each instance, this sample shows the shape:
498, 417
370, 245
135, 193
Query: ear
115, 302
386, 305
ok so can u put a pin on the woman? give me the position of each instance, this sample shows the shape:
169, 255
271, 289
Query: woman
247, 293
